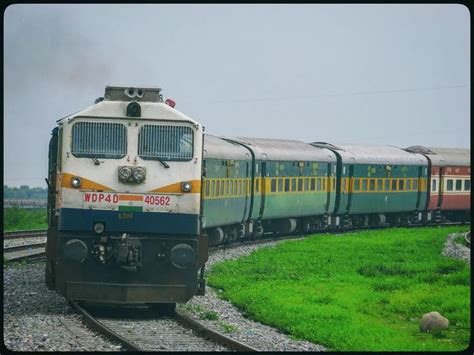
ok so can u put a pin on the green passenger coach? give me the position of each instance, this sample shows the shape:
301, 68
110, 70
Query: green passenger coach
378, 184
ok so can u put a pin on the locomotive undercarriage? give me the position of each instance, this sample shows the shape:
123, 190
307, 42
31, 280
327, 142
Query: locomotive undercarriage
127, 268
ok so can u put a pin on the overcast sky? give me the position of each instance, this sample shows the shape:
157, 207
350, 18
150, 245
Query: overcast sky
365, 74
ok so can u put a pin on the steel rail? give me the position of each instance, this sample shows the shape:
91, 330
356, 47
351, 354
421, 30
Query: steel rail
24, 247
101, 328
24, 234
467, 238
185, 319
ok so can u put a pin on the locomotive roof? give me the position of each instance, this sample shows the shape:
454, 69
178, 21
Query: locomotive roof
117, 109
444, 156
374, 154
284, 149
215, 147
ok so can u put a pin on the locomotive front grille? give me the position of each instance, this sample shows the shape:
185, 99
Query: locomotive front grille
165, 142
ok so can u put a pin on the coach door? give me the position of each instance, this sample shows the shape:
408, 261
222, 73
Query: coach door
263, 186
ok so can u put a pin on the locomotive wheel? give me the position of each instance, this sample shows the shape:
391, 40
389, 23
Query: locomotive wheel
163, 309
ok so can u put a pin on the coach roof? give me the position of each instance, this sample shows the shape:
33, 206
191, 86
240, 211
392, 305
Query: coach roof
284, 150
444, 156
374, 154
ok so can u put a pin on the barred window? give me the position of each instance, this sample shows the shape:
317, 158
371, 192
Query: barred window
273, 185
458, 185
99, 140
280, 185
165, 142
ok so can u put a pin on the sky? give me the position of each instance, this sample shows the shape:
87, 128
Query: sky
361, 74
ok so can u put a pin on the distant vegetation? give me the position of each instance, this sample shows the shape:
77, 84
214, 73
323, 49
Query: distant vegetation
16, 218
364, 291
24, 192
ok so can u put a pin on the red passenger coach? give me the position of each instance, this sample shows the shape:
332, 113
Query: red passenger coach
449, 186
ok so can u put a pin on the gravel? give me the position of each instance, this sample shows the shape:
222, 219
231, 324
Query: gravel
233, 322
37, 319
456, 250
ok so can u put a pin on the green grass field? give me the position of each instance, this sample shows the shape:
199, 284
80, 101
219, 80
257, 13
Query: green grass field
364, 291
22, 219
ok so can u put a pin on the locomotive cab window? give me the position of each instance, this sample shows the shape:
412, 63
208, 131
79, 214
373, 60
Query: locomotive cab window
99, 140
165, 142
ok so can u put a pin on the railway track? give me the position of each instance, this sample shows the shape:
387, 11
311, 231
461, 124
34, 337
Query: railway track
29, 250
179, 332
467, 238
24, 234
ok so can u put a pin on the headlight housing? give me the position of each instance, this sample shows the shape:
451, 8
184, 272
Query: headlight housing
99, 227
183, 256
186, 186
75, 182
124, 173
138, 174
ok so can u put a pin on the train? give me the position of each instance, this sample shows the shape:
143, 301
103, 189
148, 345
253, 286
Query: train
138, 193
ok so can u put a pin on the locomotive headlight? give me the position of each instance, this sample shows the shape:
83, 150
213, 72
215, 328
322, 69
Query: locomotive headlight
124, 173
186, 186
75, 182
99, 228
138, 174
183, 256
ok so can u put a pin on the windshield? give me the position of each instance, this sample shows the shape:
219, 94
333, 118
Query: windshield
165, 142
99, 140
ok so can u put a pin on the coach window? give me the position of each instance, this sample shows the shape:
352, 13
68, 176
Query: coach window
306, 184
401, 185
449, 185
394, 184
300, 184
318, 184
433, 185
280, 185
313, 184
324, 183
372, 184
364, 184
387, 184
356, 184
467, 185
379, 185
409, 184
415, 184
213, 183
218, 185
256, 185
293, 184
207, 187
287, 184
458, 185
273, 185
333, 184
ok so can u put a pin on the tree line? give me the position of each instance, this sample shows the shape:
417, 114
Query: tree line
24, 192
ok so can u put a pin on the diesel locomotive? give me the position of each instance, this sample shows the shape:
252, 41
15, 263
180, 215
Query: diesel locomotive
138, 192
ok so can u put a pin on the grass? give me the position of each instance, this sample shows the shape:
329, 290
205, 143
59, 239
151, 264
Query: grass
16, 218
365, 291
